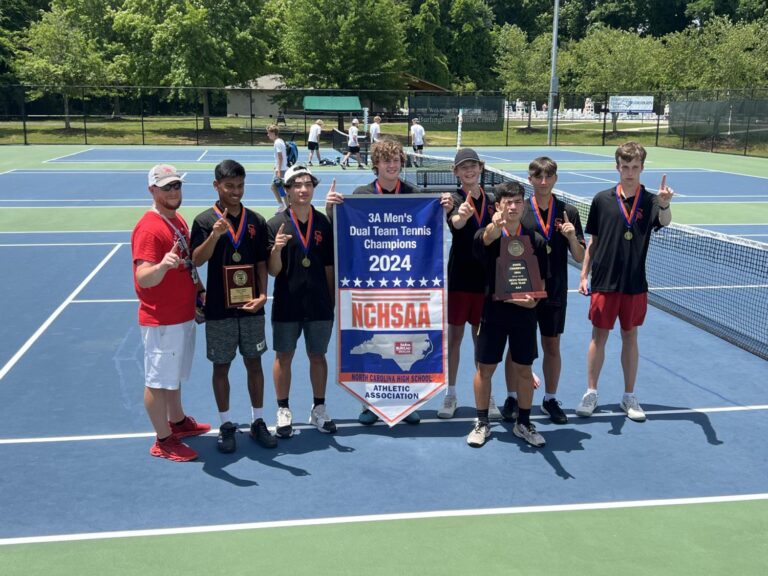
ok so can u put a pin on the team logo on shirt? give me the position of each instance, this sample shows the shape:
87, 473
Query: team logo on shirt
318, 237
251, 231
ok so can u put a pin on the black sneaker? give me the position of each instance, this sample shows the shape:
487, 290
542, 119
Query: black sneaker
509, 410
552, 409
260, 433
226, 441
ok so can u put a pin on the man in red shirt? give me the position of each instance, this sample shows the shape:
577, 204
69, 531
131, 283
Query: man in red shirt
167, 286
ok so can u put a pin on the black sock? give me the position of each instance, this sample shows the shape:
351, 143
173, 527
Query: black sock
180, 422
282, 403
482, 416
317, 401
524, 416
163, 439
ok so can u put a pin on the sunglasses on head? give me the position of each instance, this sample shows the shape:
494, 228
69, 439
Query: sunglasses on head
172, 186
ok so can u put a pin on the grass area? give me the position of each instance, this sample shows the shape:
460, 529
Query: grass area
181, 131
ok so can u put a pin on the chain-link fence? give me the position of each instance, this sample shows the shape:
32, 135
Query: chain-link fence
731, 121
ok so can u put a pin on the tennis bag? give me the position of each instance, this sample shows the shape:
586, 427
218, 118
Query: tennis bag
292, 151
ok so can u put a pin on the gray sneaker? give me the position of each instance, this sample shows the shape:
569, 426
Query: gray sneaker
587, 405
528, 433
319, 418
632, 408
480, 433
493, 411
448, 409
284, 428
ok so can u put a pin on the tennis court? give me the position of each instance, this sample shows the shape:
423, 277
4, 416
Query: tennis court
687, 491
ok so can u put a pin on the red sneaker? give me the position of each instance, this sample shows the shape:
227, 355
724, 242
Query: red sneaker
173, 449
189, 427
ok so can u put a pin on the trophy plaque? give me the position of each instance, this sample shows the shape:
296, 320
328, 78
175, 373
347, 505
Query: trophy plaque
239, 285
517, 270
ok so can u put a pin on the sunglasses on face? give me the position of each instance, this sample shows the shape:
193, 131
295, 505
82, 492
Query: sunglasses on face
171, 186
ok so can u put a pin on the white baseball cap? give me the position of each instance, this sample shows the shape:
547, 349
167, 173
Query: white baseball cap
163, 174
298, 170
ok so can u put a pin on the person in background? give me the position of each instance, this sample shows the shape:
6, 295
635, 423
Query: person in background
313, 141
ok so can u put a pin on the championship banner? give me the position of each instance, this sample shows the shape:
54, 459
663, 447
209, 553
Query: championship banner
391, 299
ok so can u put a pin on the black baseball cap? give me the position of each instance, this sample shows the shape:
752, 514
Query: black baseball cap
465, 155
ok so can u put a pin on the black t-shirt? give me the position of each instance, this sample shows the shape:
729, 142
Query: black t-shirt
405, 188
252, 249
465, 272
618, 264
557, 283
300, 293
507, 313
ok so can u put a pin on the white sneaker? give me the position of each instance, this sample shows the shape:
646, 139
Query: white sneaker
480, 433
632, 408
284, 428
528, 433
588, 404
493, 411
448, 409
319, 418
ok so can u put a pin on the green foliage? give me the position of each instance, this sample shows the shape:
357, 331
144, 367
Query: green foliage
523, 68
471, 55
350, 44
427, 60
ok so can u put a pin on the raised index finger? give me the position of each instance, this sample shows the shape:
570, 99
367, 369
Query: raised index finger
663, 182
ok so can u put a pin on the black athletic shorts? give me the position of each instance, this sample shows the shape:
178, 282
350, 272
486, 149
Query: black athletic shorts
551, 319
492, 340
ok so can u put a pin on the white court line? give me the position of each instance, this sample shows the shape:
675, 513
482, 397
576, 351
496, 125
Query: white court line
576, 173
8, 171
735, 287
44, 326
355, 424
622, 504
67, 155
202, 155
734, 173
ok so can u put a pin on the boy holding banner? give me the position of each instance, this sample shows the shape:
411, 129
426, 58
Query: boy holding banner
231, 238
301, 260
509, 320
620, 222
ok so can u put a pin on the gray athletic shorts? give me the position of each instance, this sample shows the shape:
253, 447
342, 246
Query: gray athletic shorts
223, 337
317, 334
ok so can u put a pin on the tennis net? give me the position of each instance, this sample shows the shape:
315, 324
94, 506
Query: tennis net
714, 281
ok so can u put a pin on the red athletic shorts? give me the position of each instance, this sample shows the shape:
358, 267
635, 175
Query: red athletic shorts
630, 309
465, 307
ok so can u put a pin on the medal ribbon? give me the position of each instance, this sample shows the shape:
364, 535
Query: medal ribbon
380, 190
236, 237
481, 215
629, 217
546, 229
519, 229
181, 236
305, 240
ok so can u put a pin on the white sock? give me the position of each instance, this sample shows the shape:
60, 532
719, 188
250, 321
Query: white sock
512, 395
628, 395
548, 397
256, 413
451, 391
224, 416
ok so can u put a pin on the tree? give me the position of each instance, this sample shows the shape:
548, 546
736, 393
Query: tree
351, 44
471, 55
179, 43
427, 61
54, 51
523, 67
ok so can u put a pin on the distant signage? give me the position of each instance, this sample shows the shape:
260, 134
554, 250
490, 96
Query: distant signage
630, 104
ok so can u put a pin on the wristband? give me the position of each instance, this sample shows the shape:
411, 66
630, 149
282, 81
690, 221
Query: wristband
663, 207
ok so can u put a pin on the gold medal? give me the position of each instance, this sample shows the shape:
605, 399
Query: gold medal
305, 262
236, 257
628, 235
549, 249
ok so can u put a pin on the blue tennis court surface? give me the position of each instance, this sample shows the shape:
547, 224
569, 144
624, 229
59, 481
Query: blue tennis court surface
168, 154
74, 436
